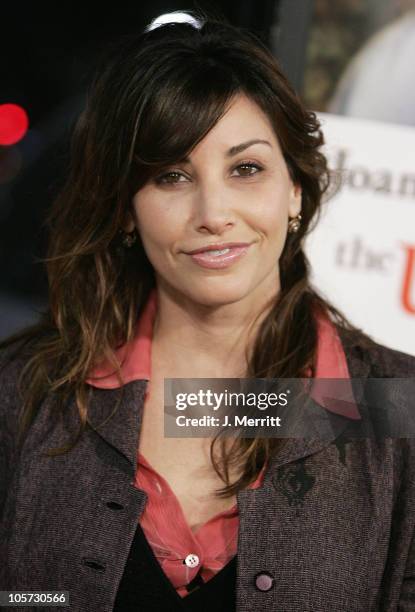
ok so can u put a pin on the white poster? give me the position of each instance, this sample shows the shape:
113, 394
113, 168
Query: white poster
363, 249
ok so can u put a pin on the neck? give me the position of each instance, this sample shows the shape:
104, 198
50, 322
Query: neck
197, 340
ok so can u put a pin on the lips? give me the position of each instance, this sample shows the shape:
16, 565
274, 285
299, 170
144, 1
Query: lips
218, 258
218, 247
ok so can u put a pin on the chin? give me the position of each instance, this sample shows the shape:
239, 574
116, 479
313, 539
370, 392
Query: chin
221, 291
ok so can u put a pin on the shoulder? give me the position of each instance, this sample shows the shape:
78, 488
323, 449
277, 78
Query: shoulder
394, 402
12, 361
382, 361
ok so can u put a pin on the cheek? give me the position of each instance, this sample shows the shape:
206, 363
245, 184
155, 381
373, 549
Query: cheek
271, 214
157, 225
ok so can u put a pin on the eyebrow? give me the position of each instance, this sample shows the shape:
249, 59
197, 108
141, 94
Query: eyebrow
244, 145
239, 147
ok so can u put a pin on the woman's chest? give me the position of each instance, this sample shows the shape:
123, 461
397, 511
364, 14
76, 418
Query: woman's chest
183, 466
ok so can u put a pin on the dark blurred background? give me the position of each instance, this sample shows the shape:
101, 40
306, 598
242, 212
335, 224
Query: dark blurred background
47, 60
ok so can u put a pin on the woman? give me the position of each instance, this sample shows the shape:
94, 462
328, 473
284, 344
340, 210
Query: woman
176, 251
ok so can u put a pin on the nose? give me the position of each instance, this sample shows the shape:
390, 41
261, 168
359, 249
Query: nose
213, 210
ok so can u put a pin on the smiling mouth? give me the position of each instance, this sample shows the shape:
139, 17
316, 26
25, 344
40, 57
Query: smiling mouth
219, 258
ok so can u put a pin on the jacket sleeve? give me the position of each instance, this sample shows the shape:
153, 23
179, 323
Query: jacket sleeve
389, 363
407, 592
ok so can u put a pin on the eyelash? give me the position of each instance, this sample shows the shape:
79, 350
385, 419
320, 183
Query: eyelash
250, 164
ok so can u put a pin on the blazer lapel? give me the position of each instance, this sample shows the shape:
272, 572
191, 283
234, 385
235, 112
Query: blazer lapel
116, 414
334, 425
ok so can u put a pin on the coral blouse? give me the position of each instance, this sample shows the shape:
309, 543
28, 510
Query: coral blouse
187, 556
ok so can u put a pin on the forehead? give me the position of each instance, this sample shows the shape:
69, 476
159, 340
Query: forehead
243, 122
243, 117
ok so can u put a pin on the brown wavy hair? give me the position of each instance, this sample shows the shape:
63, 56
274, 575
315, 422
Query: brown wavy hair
154, 96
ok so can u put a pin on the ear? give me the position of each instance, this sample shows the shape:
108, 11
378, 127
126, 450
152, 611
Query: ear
294, 206
129, 223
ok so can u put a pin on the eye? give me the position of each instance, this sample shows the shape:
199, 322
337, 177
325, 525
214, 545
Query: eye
160, 180
172, 178
249, 165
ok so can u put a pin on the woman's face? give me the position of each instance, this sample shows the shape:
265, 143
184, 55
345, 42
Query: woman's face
226, 192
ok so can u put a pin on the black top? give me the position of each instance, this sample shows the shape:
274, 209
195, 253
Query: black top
144, 585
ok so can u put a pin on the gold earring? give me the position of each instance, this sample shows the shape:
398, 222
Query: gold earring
294, 224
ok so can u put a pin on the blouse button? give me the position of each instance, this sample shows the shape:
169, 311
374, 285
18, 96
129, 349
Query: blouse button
264, 581
192, 560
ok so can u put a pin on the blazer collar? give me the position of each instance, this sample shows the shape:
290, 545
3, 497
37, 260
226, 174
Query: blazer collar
300, 448
116, 414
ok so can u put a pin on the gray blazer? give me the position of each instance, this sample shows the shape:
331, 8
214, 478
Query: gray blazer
333, 523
